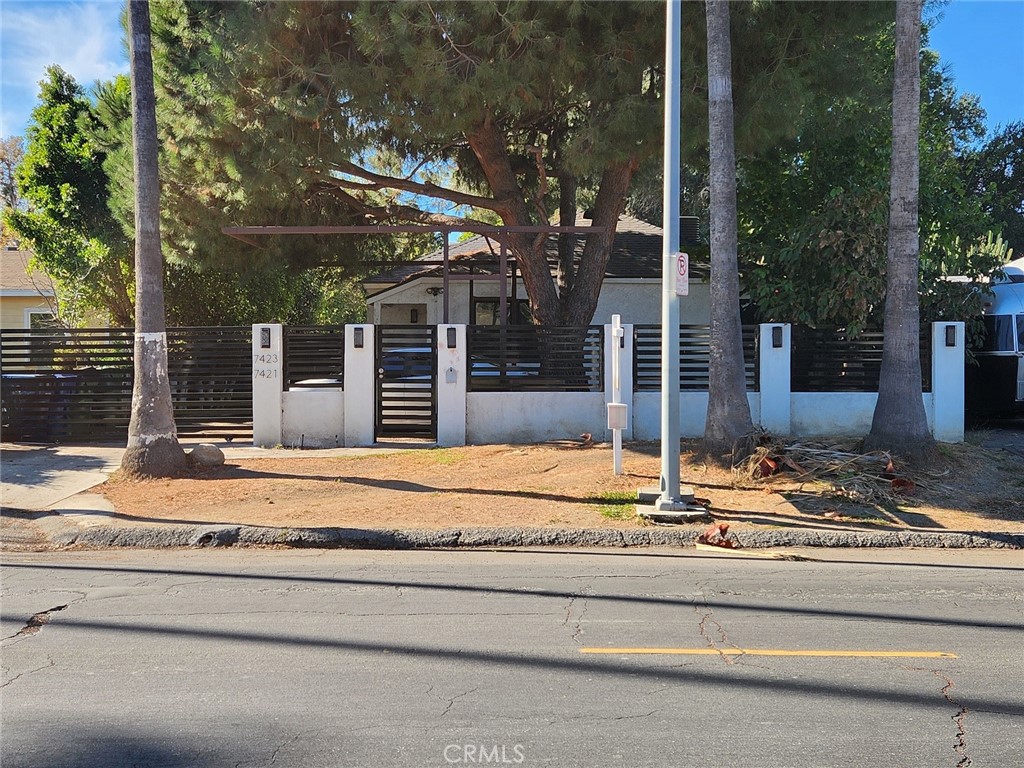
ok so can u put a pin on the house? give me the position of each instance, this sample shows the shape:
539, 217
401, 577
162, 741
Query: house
414, 293
26, 297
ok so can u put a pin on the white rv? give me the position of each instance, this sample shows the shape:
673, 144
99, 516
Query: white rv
995, 386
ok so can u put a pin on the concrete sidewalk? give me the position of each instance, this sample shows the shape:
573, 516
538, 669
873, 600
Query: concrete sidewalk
46, 503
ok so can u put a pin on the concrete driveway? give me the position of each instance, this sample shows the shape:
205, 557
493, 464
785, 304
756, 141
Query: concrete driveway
40, 477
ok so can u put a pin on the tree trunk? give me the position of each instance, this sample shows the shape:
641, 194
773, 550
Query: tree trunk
488, 145
728, 420
153, 449
611, 200
567, 188
899, 424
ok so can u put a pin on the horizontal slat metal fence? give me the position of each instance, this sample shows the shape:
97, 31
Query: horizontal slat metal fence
528, 358
829, 360
314, 352
694, 356
76, 384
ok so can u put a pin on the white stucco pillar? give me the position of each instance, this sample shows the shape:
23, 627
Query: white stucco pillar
625, 372
774, 350
948, 381
452, 371
360, 385
267, 384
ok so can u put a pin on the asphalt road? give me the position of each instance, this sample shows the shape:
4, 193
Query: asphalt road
355, 658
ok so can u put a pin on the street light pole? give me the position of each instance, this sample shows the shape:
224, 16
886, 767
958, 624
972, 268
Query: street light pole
672, 501
669, 486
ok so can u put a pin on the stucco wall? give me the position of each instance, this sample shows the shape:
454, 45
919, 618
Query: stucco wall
839, 413
529, 417
638, 301
313, 418
693, 413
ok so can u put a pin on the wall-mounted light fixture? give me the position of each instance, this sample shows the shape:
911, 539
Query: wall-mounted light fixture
435, 291
264, 338
357, 338
414, 316
452, 343
950, 335
776, 337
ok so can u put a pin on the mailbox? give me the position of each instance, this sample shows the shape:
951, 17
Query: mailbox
618, 416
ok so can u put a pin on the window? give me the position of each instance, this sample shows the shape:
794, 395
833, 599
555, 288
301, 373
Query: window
999, 332
1020, 333
485, 312
40, 318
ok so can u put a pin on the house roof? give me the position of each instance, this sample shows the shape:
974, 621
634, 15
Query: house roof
17, 280
636, 252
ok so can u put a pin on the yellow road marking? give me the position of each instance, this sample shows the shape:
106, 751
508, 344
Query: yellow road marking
776, 652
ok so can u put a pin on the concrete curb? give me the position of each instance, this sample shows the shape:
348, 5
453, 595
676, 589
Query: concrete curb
155, 537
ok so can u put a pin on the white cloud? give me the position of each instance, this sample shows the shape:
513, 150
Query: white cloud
82, 37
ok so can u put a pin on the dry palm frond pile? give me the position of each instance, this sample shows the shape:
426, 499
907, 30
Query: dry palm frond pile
867, 478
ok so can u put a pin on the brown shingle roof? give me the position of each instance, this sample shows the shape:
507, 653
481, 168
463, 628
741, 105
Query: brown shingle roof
15, 275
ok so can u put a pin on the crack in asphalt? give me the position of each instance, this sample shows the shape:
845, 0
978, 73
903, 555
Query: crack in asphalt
31, 671
960, 744
36, 622
707, 617
723, 638
449, 701
596, 718
578, 626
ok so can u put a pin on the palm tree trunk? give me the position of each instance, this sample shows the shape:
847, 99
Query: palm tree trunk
899, 424
153, 449
728, 420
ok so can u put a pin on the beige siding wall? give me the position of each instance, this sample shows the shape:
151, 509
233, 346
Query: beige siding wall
12, 310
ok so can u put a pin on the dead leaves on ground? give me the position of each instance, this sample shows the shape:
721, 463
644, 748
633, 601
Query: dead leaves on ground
865, 478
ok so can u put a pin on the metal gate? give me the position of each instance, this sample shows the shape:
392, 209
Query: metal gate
406, 381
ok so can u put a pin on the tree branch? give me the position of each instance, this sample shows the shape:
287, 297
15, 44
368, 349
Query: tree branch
375, 182
398, 212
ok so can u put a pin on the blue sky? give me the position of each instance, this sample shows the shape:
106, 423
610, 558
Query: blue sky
982, 41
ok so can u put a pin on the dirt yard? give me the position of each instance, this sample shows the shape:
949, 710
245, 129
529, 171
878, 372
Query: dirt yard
569, 485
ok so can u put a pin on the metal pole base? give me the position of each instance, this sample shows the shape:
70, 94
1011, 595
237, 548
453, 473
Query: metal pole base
683, 508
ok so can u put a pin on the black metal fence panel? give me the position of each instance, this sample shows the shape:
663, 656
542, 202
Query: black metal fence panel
829, 360
526, 358
314, 355
694, 356
76, 384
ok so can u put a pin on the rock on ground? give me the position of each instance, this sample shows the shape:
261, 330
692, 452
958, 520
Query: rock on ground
206, 455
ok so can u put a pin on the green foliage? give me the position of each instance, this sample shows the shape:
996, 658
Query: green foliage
995, 174
369, 112
788, 58
244, 148
68, 224
814, 210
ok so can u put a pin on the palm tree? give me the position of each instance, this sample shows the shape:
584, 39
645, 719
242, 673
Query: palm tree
899, 424
153, 449
728, 420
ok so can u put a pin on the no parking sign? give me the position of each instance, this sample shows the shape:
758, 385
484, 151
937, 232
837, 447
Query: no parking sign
682, 274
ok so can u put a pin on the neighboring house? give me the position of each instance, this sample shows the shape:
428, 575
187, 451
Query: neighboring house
413, 293
26, 297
